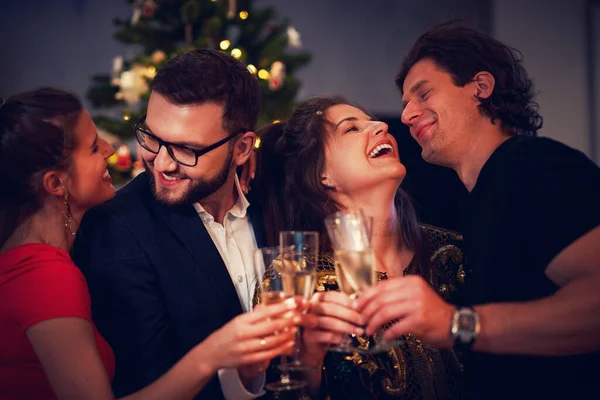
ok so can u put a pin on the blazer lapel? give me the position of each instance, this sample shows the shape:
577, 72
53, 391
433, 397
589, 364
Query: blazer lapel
191, 232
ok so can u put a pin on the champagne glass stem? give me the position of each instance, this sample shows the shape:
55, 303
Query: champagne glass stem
284, 377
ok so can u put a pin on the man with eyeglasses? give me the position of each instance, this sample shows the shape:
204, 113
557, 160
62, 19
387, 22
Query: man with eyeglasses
169, 259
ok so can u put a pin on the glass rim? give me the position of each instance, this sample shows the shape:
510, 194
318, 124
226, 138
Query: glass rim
274, 249
294, 232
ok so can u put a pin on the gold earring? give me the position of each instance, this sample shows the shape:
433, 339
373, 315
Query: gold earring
328, 184
68, 216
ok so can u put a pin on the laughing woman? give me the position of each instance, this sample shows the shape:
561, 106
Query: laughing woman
335, 156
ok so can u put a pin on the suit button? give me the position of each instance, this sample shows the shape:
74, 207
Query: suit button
240, 278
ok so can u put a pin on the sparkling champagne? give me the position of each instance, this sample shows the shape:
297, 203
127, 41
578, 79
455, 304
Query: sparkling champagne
273, 297
355, 270
299, 283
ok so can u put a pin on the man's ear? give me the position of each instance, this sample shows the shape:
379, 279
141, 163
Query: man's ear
53, 183
244, 147
484, 84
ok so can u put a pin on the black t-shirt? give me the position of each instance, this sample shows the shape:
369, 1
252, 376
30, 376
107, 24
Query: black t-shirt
533, 198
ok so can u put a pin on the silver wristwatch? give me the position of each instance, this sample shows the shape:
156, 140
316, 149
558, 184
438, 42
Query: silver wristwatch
465, 327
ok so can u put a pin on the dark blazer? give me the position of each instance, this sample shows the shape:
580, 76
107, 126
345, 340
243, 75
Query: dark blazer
157, 282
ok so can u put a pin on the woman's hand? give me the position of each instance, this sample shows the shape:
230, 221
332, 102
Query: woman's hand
253, 338
413, 307
330, 317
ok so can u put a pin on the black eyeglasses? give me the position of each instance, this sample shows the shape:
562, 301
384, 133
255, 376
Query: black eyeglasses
181, 154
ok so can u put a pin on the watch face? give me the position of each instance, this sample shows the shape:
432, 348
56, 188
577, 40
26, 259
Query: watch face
465, 327
466, 322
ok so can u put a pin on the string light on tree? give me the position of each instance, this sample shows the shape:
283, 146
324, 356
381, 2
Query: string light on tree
243, 15
236, 53
252, 69
263, 74
224, 45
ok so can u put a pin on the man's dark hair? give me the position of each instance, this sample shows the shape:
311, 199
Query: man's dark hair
463, 52
211, 76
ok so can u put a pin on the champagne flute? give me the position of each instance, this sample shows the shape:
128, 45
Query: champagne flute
350, 235
299, 272
268, 269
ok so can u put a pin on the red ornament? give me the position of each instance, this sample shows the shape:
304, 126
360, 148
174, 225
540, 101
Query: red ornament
149, 8
124, 161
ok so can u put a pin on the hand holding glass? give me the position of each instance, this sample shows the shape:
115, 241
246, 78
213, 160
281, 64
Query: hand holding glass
350, 235
300, 259
268, 268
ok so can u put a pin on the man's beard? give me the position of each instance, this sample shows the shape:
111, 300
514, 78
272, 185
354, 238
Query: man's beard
199, 190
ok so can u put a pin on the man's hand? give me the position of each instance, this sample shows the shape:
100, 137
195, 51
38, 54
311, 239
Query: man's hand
413, 307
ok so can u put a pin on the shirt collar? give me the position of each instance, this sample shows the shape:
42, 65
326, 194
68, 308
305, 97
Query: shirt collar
239, 209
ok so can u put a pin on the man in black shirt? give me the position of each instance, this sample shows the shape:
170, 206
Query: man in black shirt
530, 319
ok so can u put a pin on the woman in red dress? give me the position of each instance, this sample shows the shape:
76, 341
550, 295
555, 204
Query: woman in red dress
53, 169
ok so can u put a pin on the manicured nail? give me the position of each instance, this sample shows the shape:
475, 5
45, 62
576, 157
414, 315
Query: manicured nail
290, 303
359, 331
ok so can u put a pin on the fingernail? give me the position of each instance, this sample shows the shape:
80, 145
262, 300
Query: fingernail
359, 331
252, 176
354, 304
290, 304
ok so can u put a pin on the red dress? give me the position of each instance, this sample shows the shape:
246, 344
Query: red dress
38, 282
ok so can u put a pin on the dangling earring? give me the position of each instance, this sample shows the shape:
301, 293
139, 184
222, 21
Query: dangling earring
328, 185
68, 216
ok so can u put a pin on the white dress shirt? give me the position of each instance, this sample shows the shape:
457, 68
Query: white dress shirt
236, 243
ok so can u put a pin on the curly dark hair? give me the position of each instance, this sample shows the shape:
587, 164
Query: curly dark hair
463, 52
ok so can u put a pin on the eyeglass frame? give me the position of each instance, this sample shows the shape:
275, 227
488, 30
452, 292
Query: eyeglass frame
197, 152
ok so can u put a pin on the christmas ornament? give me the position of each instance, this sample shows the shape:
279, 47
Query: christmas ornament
133, 84
149, 8
276, 75
293, 37
112, 160
158, 56
189, 12
124, 162
117, 68
137, 11
138, 168
231, 8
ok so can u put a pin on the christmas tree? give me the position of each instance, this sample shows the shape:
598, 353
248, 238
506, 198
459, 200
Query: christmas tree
161, 29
